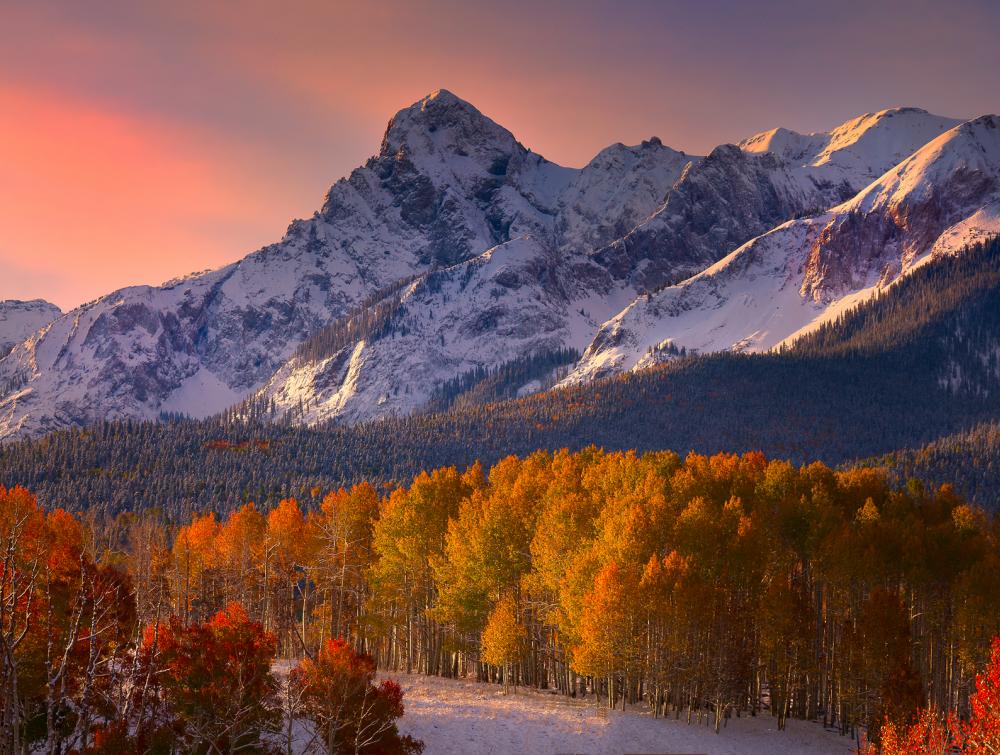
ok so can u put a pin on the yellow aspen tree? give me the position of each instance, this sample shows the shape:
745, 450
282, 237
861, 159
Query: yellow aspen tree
503, 639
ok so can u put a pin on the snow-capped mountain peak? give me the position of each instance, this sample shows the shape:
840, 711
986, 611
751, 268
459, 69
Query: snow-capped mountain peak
19, 319
446, 185
803, 272
442, 125
858, 150
968, 153
616, 191
456, 250
877, 141
791, 145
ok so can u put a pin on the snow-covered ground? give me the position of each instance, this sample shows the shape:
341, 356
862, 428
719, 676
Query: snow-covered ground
465, 718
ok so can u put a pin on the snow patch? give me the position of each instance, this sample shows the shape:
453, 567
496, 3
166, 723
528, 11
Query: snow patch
457, 717
200, 396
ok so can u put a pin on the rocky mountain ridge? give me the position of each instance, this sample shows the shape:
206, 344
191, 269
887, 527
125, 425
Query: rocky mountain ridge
502, 254
19, 319
788, 281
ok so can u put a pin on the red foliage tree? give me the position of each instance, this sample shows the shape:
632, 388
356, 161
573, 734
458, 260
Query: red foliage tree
351, 712
216, 681
929, 734
981, 733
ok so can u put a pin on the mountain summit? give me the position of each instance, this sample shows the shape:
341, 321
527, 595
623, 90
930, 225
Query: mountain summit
442, 122
455, 251
862, 148
776, 287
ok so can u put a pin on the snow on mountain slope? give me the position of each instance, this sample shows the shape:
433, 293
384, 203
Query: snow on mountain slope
617, 190
518, 298
717, 204
737, 193
504, 253
858, 151
804, 272
446, 185
708, 209
19, 319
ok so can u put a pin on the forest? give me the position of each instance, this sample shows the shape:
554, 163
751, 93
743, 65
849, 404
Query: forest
97, 656
905, 372
703, 587
971, 458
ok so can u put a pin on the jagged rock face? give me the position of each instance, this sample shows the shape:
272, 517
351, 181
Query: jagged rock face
19, 319
616, 191
446, 185
510, 301
737, 193
902, 217
716, 205
503, 252
453, 181
804, 272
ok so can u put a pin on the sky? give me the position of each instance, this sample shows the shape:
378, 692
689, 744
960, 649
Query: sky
142, 141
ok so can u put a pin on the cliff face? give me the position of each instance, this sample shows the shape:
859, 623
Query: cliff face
784, 283
19, 319
473, 251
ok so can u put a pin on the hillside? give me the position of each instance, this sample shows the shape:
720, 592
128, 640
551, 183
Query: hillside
969, 461
893, 374
470, 251
792, 279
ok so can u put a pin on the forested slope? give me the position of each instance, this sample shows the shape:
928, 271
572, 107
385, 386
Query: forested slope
917, 364
970, 461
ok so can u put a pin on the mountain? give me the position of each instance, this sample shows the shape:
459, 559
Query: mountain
879, 378
856, 152
446, 185
19, 319
509, 304
786, 282
454, 251
737, 193
510, 301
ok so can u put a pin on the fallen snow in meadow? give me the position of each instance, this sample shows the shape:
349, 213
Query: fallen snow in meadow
465, 718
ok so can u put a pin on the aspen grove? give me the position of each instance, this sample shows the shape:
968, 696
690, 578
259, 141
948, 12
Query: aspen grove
703, 587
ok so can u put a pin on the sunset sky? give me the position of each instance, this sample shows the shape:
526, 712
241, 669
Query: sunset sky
140, 141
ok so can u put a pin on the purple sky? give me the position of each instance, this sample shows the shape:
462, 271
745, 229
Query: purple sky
139, 141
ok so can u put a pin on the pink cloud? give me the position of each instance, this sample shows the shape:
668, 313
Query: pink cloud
139, 141
117, 199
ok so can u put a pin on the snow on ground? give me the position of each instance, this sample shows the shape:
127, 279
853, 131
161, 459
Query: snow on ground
465, 718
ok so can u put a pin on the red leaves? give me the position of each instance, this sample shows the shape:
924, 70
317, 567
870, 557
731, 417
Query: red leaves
203, 661
392, 697
216, 678
929, 734
981, 734
351, 712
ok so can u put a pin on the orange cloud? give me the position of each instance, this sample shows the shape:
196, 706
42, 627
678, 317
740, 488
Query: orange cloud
139, 141
92, 199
